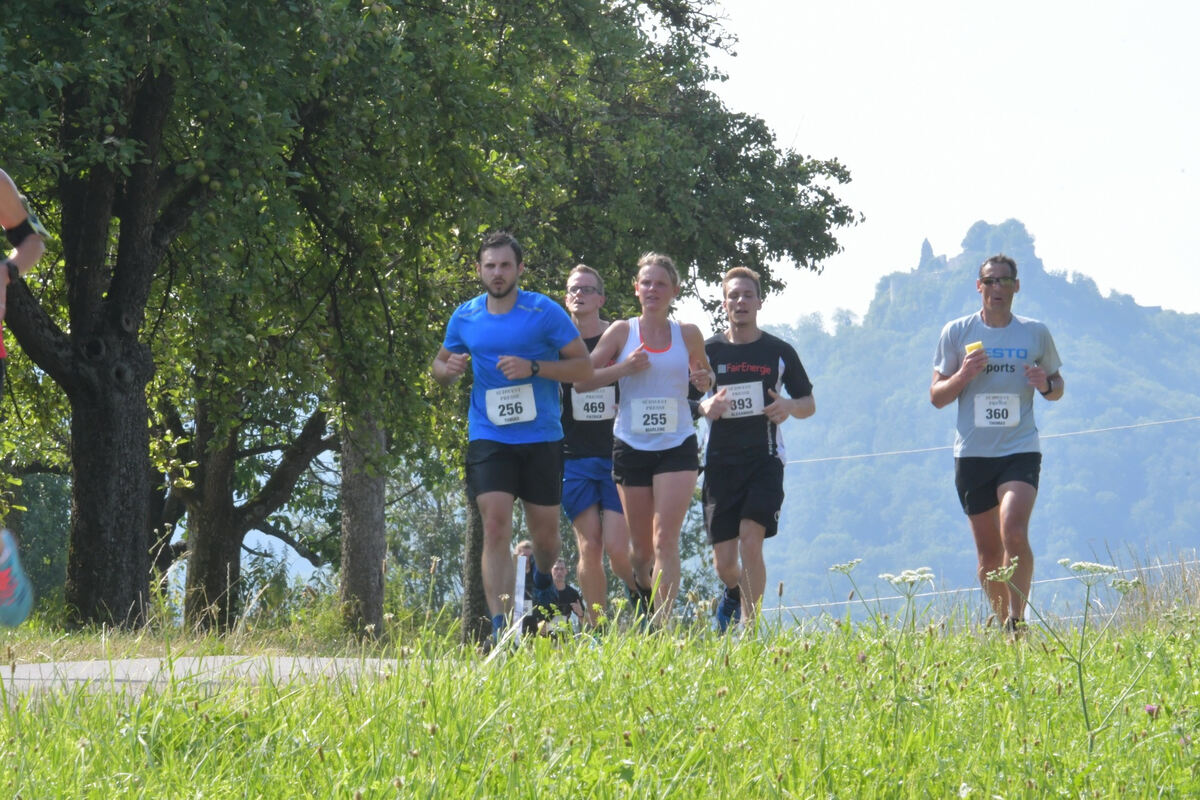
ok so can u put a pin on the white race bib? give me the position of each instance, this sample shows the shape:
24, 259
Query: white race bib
654, 414
997, 410
510, 404
594, 406
745, 399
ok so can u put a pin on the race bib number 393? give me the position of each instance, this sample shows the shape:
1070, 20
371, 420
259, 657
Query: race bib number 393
745, 399
654, 414
997, 410
510, 404
594, 406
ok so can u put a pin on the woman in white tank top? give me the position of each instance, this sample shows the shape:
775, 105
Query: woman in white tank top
654, 449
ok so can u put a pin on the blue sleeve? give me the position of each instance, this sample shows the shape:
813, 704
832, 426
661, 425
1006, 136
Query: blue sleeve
453, 340
562, 329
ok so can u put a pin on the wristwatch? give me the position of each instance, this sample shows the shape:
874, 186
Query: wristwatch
534, 367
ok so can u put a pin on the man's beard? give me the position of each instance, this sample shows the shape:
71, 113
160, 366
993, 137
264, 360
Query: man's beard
501, 295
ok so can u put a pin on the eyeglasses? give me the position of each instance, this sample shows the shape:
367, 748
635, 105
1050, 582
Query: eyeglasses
582, 290
1006, 282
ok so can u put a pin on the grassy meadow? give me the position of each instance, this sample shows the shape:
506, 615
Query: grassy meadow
912, 706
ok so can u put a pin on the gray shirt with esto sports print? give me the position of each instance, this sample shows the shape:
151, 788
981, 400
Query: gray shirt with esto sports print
995, 410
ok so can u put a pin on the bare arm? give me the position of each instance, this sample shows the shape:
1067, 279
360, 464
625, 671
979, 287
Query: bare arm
612, 341
701, 372
448, 367
12, 215
783, 407
1039, 380
945, 389
573, 365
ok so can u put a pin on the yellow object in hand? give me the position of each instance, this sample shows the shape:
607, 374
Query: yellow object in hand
973, 346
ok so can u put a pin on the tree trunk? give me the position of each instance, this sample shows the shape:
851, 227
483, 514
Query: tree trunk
214, 569
364, 543
476, 621
108, 566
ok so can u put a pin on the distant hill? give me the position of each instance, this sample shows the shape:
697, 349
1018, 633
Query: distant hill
1126, 495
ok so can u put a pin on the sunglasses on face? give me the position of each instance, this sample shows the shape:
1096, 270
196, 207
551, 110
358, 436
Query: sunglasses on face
582, 290
1007, 283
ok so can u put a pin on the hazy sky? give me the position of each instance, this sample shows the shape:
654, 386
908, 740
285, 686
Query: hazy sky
1081, 119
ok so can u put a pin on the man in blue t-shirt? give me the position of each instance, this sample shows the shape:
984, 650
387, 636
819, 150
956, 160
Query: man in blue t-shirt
519, 346
990, 362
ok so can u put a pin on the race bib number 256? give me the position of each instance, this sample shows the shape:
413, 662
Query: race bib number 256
510, 404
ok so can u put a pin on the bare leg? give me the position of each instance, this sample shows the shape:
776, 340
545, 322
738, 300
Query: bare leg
754, 569
496, 509
672, 496
989, 547
616, 545
1016, 507
638, 502
590, 539
542, 522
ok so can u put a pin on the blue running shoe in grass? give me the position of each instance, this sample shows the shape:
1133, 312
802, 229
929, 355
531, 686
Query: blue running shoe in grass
729, 610
16, 595
544, 594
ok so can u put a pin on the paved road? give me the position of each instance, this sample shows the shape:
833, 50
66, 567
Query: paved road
137, 674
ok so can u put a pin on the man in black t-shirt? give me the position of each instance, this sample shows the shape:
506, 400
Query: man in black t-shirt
589, 496
744, 452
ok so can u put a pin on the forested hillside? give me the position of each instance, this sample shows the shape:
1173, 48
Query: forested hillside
1108, 492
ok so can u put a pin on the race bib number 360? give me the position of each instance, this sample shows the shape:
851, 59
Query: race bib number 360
594, 406
745, 399
654, 414
510, 404
997, 410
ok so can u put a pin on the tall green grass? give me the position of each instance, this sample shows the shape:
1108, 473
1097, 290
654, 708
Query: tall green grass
914, 707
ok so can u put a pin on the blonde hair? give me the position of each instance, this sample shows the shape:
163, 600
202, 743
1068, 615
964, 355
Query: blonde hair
652, 259
740, 272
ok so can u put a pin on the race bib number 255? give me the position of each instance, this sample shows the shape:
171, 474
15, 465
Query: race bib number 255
654, 414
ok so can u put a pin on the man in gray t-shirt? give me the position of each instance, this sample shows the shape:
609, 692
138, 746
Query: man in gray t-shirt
991, 362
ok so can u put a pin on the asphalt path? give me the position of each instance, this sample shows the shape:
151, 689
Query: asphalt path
135, 675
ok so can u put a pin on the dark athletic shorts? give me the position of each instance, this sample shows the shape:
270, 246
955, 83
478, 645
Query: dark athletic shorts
633, 467
734, 492
977, 478
588, 482
532, 472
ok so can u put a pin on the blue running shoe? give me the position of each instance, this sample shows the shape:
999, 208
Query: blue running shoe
16, 595
544, 594
729, 610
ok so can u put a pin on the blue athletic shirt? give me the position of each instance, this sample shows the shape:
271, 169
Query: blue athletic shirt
536, 328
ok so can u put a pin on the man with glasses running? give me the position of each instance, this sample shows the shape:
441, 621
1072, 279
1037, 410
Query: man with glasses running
991, 361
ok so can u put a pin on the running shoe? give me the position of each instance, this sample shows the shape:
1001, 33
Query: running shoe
16, 595
544, 594
729, 611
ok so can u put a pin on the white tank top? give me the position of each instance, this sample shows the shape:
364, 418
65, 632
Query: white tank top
653, 413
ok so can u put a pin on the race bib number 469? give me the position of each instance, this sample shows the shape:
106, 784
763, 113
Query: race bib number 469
510, 404
745, 399
594, 406
997, 410
654, 414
